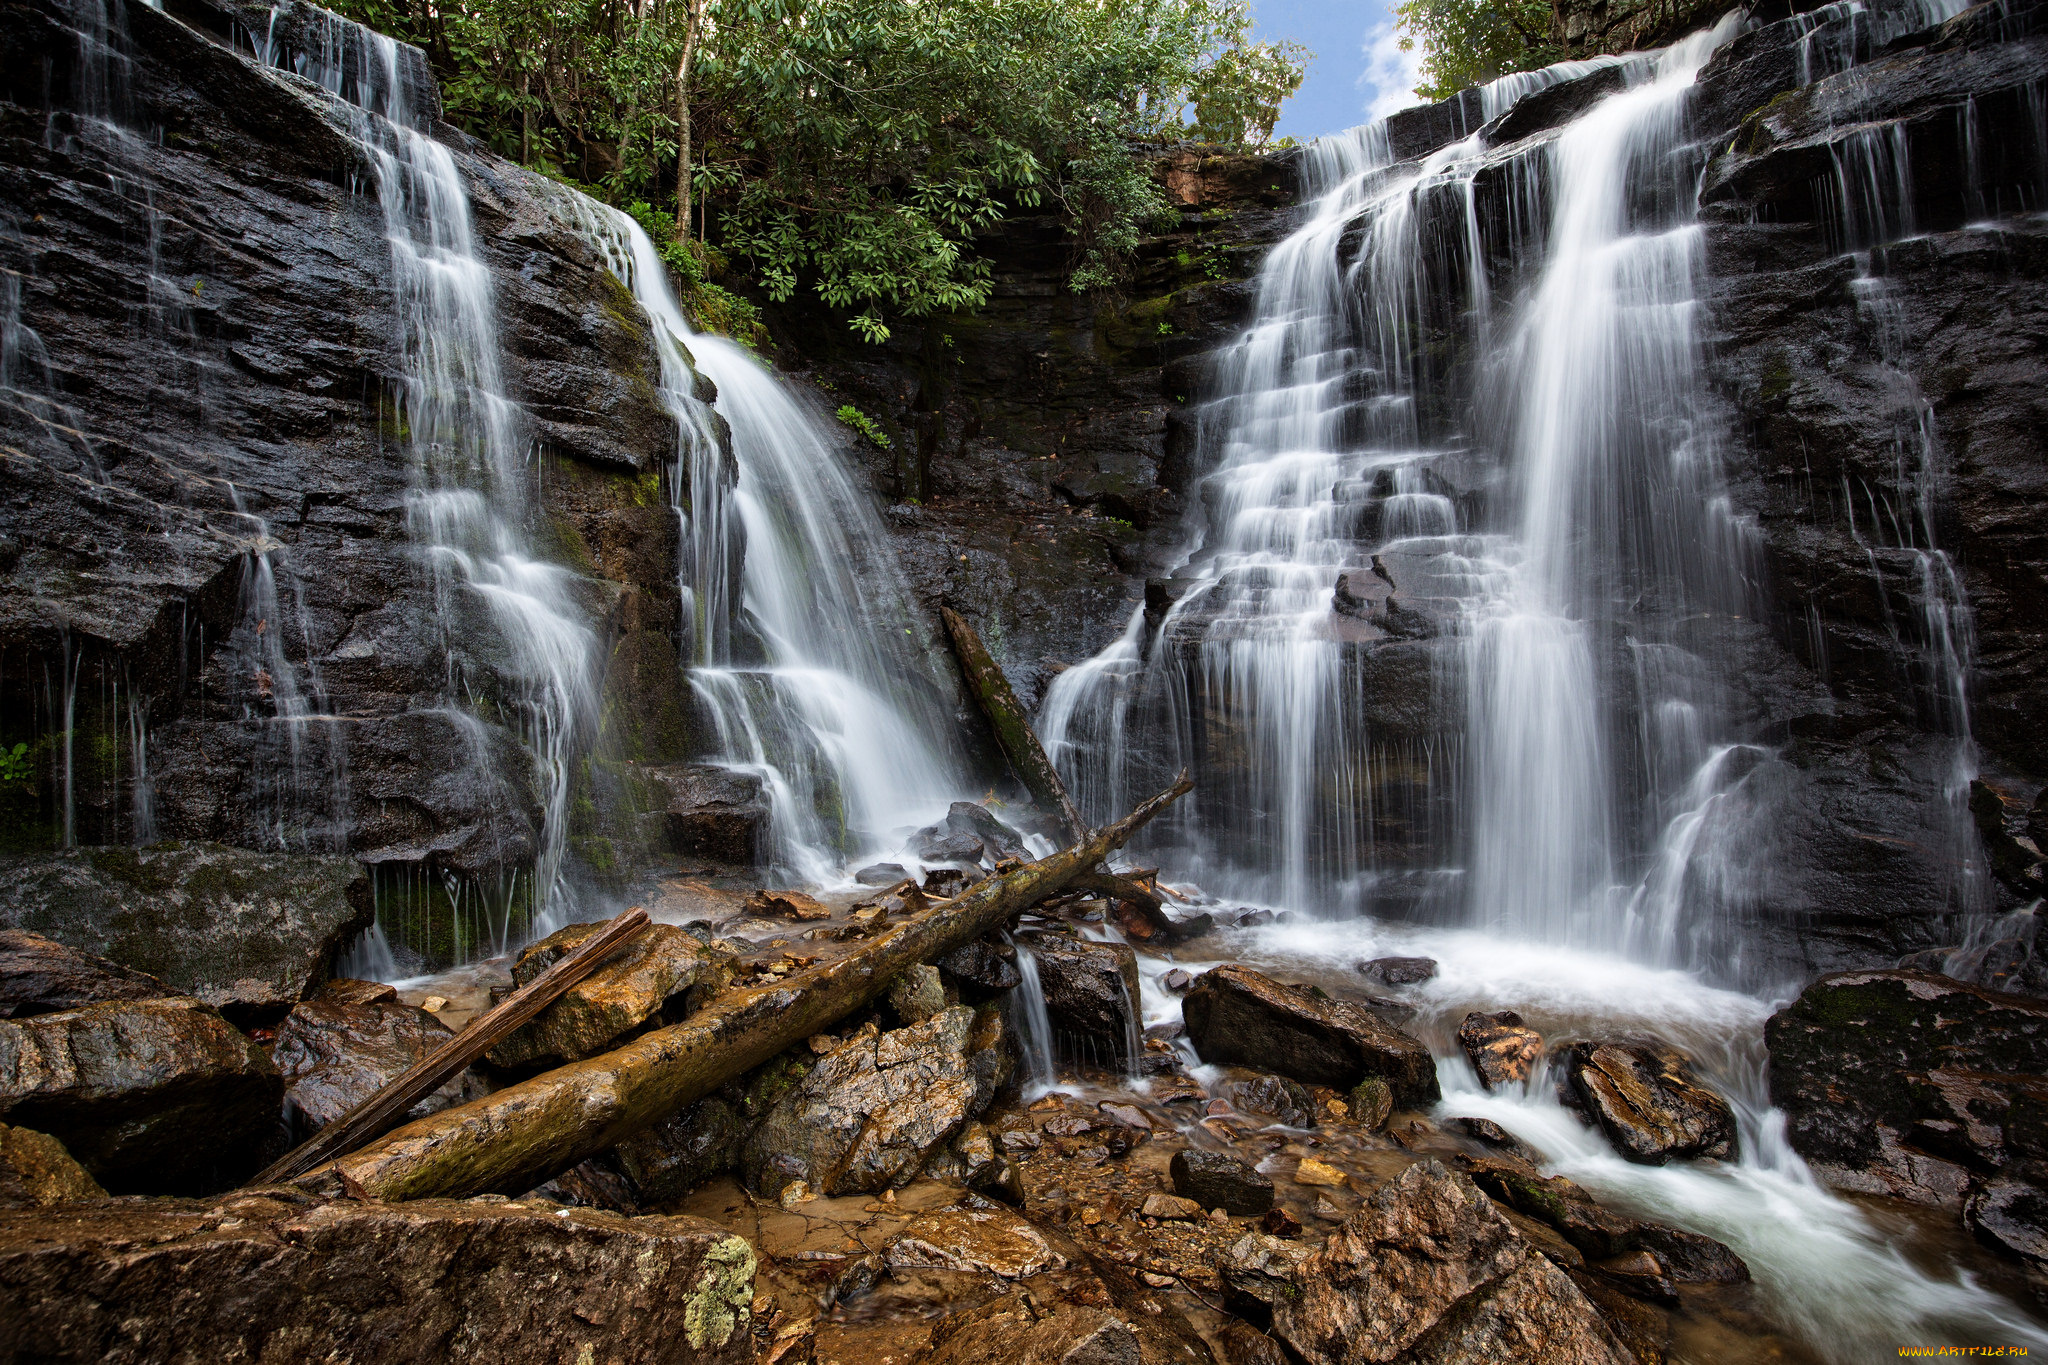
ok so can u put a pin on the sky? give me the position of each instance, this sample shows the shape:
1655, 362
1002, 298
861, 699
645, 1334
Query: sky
1357, 74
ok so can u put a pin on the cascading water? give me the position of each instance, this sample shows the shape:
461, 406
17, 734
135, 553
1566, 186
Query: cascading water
824, 688
515, 634
1586, 783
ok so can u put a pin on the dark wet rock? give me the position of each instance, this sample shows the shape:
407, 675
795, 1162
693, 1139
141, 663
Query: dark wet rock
712, 812
1004, 1333
940, 844
39, 975
1904, 1083
1644, 1330
1647, 1100
248, 933
1493, 1135
151, 1096
1246, 1345
1585, 28
334, 1055
868, 1116
36, 1171
1177, 981
1091, 990
1286, 1100
266, 1276
1597, 1232
945, 881
667, 1161
1502, 1049
2009, 1213
1398, 971
650, 981
1691, 1257
1427, 1270
1640, 1275
998, 840
1238, 1015
982, 966
1371, 1103
880, 874
1219, 1180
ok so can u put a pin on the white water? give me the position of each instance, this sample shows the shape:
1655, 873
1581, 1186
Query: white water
515, 635
825, 689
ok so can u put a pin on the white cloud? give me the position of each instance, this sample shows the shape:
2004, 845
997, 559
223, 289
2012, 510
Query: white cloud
1390, 74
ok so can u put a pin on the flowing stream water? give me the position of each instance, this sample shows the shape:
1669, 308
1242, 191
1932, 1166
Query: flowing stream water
1575, 832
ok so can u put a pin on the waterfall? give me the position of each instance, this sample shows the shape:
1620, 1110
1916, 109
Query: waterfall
824, 687
516, 638
1033, 1022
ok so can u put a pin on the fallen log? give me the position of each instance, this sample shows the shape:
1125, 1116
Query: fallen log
1007, 717
514, 1139
380, 1112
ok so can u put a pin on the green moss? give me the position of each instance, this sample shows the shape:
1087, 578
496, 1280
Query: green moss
721, 1302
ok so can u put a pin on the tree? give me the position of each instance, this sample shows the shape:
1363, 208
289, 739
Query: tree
1470, 42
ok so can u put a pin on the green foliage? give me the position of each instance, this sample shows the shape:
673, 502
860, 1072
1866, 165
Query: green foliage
854, 149
1470, 42
17, 767
864, 424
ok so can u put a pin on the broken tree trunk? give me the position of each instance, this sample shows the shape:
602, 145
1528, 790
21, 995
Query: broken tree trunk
381, 1112
514, 1139
1007, 718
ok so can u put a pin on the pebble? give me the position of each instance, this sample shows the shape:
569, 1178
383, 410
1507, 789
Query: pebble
1313, 1172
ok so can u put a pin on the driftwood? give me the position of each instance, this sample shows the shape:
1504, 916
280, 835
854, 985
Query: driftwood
1006, 716
381, 1112
514, 1139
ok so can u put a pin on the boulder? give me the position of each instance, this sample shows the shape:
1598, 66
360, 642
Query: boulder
1170, 1207
36, 1171
342, 990
1905, 1083
1371, 1103
653, 980
334, 1055
938, 844
1493, 1135
1398, 971
1091, 993
1286, 1100
1600, 1233
985, 1241
998, 840
881, 874
248, 933
982, 967
151, 1096
787, 905
667, 1161
40, 975
1238, 1015
271, 1276
1219, 1180
1427, 1270
712, 812
1502, 1049
1646, 1099
917, 994
868, 1115
2009, 1214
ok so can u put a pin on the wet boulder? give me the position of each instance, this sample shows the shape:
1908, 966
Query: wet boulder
985, 1241
1398, 971
1908, 1083
2009, 1214
650, 981
981, 967
870, 1113
712, 812
36, 1171
917, 993
249, 933
1427, 1270
1645, 1097
272, 1276
40, 975
939, 844
998, 840
1007, 1333
1599, 1233
1287, 1101
1220, 1180
151, 1096
787, 905
334, 1054
1091, 993
1502, 1049
1238, 1015
673, 1157
881, 874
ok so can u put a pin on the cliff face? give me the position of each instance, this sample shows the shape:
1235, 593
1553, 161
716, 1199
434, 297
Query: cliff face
211, 579
1042, 453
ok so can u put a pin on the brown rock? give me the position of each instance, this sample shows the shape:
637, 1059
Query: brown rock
984, 1241
1090, 991
1502, 1049
642, 984
36, 1171
917, 994
1286, 1100
1644, 1330
333, 1056
1172, 1207
1220, 1180
148, 1095
867, 1117
787, 905
1008, 1333
712, 812
1370, 1103
343, 990
1493, 1135
40, 975
263, 1279
1313, 1172
1645, 1097
1238, 1015
1428, 1270
1558, 1202
1638, 1274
